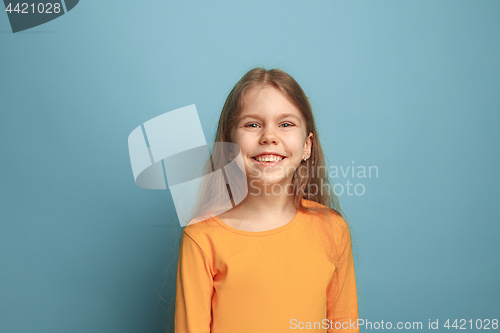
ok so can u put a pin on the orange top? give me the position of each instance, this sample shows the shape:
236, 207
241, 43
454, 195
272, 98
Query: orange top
279, 280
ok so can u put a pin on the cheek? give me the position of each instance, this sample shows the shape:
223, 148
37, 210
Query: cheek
244, 141
293, 144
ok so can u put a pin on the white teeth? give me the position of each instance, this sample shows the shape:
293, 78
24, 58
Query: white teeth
269, 159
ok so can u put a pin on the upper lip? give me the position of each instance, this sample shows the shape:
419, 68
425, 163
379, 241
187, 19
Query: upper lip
268, 153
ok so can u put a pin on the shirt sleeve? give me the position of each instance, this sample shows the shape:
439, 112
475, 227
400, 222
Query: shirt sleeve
342, 299
194, 290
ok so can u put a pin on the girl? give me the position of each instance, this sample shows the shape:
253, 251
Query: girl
281, 259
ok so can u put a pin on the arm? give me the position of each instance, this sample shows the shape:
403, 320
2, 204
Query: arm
342, 300
193, 298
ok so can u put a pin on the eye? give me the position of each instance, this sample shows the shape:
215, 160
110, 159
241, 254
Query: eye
251, 125
288, 125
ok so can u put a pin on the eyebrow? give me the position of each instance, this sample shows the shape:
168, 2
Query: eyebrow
283, 115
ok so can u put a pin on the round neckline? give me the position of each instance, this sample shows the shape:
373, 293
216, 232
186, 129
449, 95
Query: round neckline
284, 227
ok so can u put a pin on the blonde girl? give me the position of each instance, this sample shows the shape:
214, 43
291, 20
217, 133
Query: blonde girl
281, 259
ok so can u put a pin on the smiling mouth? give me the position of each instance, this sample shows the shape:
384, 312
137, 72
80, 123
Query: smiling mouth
268, 159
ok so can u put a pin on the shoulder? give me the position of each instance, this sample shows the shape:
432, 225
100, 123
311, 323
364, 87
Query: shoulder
204, 233
195, 228
325, 213
334, 227
328, 221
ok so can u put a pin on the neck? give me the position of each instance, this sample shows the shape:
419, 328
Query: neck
268, 204
262, 200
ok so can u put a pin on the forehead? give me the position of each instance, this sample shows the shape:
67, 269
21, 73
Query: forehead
268, 101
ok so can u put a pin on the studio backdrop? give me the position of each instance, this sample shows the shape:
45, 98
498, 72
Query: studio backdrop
405, 95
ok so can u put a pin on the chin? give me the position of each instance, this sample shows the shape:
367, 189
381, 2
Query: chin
262, 182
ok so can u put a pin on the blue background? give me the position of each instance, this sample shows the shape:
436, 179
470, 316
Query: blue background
411, 87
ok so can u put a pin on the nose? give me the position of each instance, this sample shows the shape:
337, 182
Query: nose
269, 136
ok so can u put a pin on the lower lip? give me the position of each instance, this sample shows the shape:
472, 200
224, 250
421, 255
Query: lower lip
268, 164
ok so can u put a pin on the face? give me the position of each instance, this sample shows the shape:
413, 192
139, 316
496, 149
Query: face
271, 133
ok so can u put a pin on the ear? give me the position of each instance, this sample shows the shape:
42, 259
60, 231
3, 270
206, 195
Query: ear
308, 146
